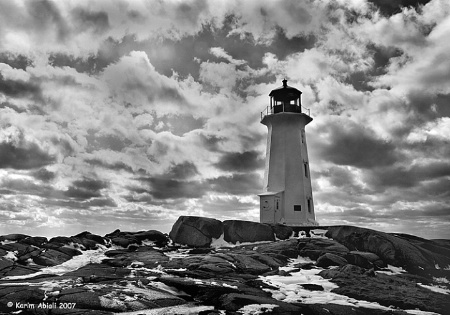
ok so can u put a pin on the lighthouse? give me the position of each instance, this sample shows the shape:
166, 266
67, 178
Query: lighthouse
287, 193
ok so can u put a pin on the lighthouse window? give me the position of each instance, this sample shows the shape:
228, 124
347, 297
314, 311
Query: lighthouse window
303, 136
297, 207
306, 169
309, 205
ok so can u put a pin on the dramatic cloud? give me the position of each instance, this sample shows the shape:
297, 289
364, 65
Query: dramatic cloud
18, 153
169, 188
240, 162
43, 175
355, 145
86, 188
128, 114
182, 171
237, 184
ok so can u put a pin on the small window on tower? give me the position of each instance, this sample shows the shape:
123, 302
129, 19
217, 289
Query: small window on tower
303, 136
297, 207
306, 169
309, 205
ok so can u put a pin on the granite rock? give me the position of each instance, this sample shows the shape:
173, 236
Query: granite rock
393, 250
316, 247
282, 232
246, 231
195, 231
125, 239
329, 259
387, 290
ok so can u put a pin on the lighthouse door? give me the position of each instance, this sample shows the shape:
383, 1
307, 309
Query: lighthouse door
277, 209
267, 209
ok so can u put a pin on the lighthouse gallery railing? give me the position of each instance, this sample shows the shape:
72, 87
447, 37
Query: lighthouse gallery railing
284, 108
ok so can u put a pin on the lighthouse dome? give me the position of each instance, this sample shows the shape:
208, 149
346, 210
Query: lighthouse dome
285, 93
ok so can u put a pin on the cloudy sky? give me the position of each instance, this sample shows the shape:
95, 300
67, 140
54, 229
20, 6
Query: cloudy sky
128, 114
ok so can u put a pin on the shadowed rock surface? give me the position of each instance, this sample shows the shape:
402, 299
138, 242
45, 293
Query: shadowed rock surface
195, 231
245, 231
412, 253
350, 271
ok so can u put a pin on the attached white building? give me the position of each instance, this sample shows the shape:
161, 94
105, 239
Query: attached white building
287, 196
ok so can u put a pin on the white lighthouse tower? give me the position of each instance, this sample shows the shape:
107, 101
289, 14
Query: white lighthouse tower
287, 196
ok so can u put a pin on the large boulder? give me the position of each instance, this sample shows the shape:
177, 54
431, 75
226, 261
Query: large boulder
203, 266
12, 237
365, 259
195, 231
316, 247
59, 241
246, 231
122, 241
125, 239
157, 237
88, 240
51, 257
84, 240
247, 264
282, 250
21, 252
328, 259
282, 232
69, 251
34, 240
391, 249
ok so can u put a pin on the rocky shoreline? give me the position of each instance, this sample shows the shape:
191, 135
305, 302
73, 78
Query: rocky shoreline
205, 266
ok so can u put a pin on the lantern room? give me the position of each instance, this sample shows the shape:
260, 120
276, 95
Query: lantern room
285, 99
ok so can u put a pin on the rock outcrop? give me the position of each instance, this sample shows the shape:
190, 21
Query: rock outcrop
246, 231
385, 289
413, 256
141, 271
124, 239
329, 259
196, 231
200, 232
281, 232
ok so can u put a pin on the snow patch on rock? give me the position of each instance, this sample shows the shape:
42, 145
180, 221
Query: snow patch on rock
94, 256
256, 309
434, 288
186, 309
11, 255
392, 270
290, 289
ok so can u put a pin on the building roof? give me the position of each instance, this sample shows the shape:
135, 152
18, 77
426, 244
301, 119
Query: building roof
270, 193
285, 92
